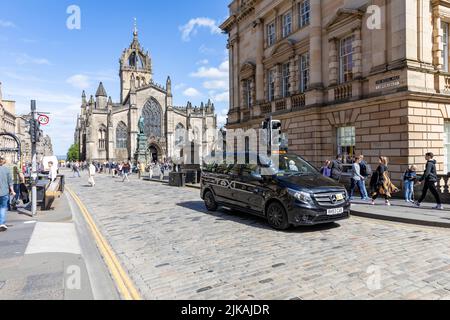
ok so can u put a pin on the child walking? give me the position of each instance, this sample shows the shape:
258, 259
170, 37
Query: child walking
409, 180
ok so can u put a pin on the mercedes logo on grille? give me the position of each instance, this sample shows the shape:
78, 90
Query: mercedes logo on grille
333, 199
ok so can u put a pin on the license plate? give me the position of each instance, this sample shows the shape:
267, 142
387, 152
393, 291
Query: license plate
339, 197
333, 212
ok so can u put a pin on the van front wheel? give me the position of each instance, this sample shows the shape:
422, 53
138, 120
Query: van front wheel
277, 217
210, 202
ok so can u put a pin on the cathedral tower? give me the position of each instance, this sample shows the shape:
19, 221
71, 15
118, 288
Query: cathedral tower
135, 62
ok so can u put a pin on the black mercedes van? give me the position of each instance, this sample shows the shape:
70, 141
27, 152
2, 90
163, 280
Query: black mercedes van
291, 193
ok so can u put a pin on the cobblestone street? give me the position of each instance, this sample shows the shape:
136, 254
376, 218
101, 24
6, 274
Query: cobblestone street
173, 249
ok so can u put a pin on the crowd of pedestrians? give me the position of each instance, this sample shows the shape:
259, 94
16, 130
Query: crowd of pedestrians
380, 183
121, 170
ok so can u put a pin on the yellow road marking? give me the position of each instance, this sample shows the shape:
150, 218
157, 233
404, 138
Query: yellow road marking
123, 282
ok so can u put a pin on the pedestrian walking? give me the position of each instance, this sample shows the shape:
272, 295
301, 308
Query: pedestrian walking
92, 173
325, 170
336, 168
126, 168
366, 172
381, 184
429, 180
357, 180
409, 180
18, 178
6, 190
76, 170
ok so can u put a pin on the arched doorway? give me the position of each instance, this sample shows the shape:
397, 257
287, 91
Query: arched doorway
155, 153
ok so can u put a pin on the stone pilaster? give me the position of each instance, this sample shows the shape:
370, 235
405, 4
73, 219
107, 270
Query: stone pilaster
315, 45
259, 61
357, 55
278, 82
437, 40
293, 76
333, 64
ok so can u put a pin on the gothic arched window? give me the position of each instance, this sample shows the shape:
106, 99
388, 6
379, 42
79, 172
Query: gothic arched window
102, 137
152, 114
122, 136
136, 61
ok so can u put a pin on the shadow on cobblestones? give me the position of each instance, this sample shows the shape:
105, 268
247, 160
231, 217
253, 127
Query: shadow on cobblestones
252, 220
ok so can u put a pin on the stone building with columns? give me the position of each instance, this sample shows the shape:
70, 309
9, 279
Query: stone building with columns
7, 125
346, 77
109, 131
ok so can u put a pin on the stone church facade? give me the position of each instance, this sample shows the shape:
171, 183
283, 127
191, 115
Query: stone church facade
108, 131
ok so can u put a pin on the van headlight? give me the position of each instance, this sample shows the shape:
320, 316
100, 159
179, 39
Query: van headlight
302, 197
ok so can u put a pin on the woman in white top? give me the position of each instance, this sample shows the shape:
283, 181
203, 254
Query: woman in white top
92, 172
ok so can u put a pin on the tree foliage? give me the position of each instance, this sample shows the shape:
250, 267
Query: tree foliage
74, 153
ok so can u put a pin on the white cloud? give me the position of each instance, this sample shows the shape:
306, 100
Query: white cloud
7, 24
204, 61
44, 96
192, 93
191, 28
23, 59
179, 86
206, 50
79, 81
215, 84
222, 72
222, 97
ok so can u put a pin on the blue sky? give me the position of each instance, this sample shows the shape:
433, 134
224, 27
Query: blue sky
41, 59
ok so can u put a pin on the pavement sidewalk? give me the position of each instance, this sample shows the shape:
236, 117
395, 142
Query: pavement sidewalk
403, 212
44, 258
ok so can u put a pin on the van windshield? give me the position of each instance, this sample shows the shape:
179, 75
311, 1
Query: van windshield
293, 165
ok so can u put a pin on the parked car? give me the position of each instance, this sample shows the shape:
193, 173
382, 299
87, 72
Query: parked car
293, 194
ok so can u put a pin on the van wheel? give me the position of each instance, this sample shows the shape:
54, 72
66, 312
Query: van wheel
277, 217
210, 202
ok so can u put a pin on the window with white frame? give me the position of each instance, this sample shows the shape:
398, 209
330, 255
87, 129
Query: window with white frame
445, 46
271, 85
286, 75
271, 34
248, 99
304, 9
304, 72
287, 24
346, 142
346, 59
447, 146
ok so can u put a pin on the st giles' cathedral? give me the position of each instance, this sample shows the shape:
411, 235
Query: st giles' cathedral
145, 117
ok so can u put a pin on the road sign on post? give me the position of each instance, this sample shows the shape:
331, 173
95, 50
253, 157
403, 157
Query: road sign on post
34, 174
43, 119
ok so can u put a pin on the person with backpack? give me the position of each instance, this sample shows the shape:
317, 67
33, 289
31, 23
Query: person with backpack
409, 180
429, 179
337, 168
325, 170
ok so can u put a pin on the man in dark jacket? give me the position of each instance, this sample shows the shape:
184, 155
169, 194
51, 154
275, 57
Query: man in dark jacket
336, 168
430, 179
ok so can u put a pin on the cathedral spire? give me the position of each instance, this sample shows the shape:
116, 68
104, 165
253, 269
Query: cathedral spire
135, 29
169, 87
83, 98
101, 92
